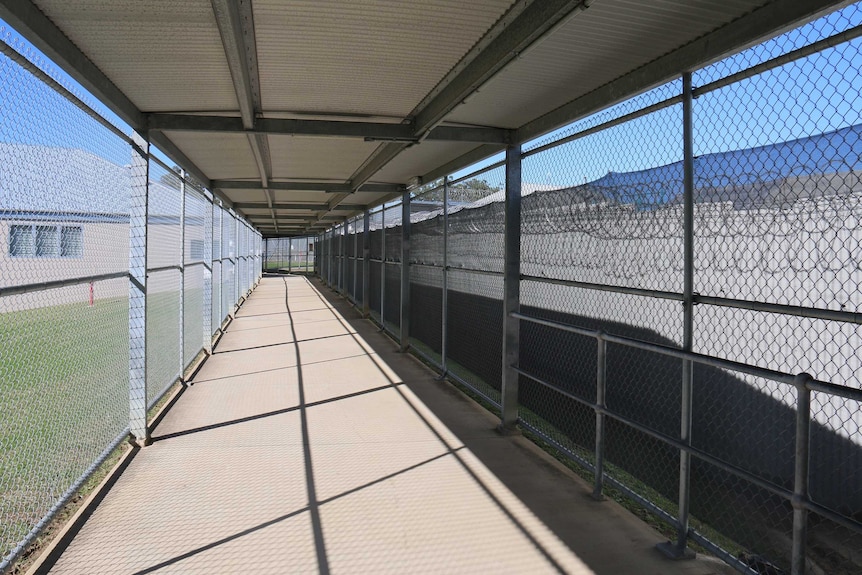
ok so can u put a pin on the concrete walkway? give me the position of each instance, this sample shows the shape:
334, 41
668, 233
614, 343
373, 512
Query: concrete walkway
307, 444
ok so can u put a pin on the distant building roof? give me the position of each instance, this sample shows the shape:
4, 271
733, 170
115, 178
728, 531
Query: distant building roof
51, 182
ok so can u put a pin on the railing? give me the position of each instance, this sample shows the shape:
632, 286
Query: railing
117, 271
667, 293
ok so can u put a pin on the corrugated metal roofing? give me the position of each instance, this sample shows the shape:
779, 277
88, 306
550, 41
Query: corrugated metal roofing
165, 56
368, 57
221, 156
600, 44
296, 157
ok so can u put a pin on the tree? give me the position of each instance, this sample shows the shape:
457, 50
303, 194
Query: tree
471, 190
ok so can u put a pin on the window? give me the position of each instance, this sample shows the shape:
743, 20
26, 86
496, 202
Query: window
47, 242
41, 241
71, 242
21, 241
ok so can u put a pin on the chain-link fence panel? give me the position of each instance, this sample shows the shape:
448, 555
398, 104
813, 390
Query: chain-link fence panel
376, 234
426, 272
64, 255
357, 264
475, 331
350, 260
197, 227
164, 279
476, 221
216, 302
228, 261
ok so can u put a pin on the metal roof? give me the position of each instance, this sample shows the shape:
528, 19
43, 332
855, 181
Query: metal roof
302, 113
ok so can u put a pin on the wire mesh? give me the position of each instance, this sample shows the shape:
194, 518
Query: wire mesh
195, 255
475, 330
476, 221
164, 258
64, 352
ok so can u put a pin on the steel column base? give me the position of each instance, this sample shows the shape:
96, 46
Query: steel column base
508, 430
672, 551
137, 442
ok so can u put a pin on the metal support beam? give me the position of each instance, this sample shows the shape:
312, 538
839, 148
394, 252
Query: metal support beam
297, 206
383, 267
530, 24
366, 261
511, 290
182, 322
208, 278
342, 272
679, 550
405, 272
370, 131
800, 483
355, 257
138, 211
444, 321
308, 186
601, 384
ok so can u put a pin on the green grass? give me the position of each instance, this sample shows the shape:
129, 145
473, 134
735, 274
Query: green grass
64, 392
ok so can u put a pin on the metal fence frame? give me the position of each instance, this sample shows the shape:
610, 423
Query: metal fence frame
804, 384
244, 254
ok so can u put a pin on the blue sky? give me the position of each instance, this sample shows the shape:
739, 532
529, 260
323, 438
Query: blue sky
819, 93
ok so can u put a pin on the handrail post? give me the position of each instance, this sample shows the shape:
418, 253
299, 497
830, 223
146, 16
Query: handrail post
138, 213
405, 272
601, 383
511, 289
800, 483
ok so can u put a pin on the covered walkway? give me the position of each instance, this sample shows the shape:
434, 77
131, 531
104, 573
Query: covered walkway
308, 444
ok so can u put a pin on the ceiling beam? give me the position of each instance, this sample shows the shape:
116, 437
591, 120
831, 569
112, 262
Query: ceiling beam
332, 187
298, 206
370, 131
531, 23
525, 23
235, 22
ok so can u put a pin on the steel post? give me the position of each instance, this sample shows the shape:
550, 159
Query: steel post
800, 483
679, 550
511, 289
222, 312
383, 267
182, 313
405, 271
138, 212
601, 380
207, 318
366, 261
444, 336
355, 257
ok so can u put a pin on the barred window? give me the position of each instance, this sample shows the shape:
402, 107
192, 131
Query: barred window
21, 241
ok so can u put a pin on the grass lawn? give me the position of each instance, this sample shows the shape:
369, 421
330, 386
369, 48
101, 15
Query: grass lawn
64, 393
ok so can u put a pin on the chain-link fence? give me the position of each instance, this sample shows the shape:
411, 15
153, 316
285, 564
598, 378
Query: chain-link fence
289, 255
116, 270
685, 276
